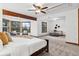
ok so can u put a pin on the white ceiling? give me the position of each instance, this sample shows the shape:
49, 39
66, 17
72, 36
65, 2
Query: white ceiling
63, 7
24, 7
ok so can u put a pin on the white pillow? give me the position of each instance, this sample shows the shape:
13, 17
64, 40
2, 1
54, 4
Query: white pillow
1, 45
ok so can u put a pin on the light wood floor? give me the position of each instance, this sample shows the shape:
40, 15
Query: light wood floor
58, 47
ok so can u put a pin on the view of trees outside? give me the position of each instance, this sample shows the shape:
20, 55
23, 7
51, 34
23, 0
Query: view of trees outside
15, 26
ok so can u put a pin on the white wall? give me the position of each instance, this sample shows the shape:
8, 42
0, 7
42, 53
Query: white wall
60, 23
70, 25
34, 28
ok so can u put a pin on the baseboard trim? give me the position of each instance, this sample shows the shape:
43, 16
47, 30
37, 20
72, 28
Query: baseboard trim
72, 43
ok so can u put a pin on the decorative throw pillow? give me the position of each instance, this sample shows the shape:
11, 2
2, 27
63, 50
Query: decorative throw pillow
9, 37
4, 38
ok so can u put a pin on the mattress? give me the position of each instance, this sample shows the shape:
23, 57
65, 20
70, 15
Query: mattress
17, 49
5, 52
35, 44
24, 46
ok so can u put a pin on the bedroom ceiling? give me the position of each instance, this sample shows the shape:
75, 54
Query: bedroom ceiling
24, 7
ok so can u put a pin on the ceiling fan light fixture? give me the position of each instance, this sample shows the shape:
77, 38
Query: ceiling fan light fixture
37, 11
39, 8
39, 4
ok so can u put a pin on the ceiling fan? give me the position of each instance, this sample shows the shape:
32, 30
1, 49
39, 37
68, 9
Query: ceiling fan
38, 9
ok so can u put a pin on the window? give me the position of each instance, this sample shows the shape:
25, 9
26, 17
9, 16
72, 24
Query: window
16, 26
26, 27
44, 27
5, 25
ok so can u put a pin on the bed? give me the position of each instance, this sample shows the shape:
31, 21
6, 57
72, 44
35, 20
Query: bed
25, 47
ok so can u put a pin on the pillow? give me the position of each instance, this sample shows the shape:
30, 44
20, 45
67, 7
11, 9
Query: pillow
1, 44
9, 37
4, 38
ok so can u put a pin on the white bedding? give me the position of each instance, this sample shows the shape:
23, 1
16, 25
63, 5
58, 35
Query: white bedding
18, 49
35, 44
24, 46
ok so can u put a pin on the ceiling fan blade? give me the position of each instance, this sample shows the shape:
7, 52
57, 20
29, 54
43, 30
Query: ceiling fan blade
34, 5
38, 7
44, 7
31, 10
43, 12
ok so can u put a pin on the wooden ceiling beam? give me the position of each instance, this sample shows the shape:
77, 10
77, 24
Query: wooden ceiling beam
10, 13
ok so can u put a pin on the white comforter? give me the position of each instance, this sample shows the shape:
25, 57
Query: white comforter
18, 49
24, 46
